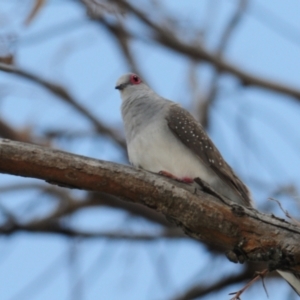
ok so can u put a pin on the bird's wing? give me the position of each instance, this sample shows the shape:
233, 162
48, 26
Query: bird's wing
292, 279
183, 125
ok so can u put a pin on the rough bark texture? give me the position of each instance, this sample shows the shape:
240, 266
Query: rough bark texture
246, 234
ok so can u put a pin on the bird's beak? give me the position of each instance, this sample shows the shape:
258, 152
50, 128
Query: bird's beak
121, 86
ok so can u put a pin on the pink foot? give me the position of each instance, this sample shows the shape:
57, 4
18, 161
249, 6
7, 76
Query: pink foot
169, 175
186, 180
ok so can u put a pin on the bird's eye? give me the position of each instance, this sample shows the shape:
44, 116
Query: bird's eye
134, 79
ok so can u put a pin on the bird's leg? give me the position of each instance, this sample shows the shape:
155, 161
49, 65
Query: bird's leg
169, 175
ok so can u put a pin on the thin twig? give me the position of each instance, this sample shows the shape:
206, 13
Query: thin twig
241, 291
198, 52
63, 94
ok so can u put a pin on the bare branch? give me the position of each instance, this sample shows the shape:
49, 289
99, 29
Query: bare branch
202, 290
54, 227
230, 28
132, 208
245, 234
63, 94
8, 132
198, 52
123, 40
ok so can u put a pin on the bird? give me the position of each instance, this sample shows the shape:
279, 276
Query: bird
164, 138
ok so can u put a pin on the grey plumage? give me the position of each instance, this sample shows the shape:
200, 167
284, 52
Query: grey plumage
292, 279
162, 136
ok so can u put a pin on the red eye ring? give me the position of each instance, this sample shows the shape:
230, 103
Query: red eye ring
134, 79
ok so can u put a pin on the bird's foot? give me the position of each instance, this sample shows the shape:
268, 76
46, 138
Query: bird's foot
183, 179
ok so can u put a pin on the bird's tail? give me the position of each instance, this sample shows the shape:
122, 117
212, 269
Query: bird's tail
292, 279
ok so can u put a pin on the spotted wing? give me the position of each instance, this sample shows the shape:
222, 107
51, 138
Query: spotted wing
192, 134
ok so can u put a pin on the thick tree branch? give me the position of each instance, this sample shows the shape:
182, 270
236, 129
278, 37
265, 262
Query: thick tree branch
245, 233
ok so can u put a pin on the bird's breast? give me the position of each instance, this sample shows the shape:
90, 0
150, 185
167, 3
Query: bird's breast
156, 149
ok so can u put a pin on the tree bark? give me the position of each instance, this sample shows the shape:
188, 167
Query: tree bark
245, 234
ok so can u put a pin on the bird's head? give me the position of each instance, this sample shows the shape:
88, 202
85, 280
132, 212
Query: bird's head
129, 84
